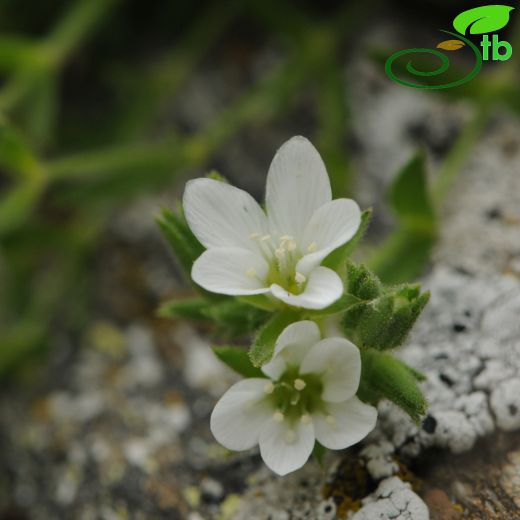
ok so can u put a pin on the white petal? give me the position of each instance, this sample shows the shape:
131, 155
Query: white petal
297, 185
346, 424
339, 362
230, 270
291, 346
331, 226
286, 448
240, 414
221, 215
323, 288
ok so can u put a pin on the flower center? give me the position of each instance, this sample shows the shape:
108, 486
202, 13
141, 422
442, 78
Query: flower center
282, 253
295, 396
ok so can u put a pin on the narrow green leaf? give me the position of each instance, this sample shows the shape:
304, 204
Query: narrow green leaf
392, 379
409, 195
337, 258
192, 309
262, 349
237, 359
319, 452
179, 236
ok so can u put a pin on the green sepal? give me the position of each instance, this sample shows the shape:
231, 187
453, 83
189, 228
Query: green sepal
238, 360
385, 376
216, 176
383, 317
175, 230
338, 257
263, 347
319, 452
362, 283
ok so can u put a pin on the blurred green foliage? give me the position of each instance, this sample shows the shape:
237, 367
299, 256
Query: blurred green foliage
64, 173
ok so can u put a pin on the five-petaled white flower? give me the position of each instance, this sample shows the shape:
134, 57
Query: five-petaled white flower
308, 395
250, 252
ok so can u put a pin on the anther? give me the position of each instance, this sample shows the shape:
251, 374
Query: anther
269, 388
279, 253
299, 384
291, 245
306, 418
278, 416
251, 272
265, 237
299, 278
312, 247
254, 236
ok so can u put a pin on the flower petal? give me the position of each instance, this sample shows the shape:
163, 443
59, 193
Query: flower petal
291, 346
286, 448
221, 215
230, 270
331, 226
347, 423
240, 414
339, 362
297, 185
323, 288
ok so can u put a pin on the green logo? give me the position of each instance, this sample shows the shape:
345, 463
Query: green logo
480, 20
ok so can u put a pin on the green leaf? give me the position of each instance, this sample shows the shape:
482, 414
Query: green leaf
409, 195
179, 236
233, 317
337, 258
237, 359
392, 379
481, 20
262, 349
403, 255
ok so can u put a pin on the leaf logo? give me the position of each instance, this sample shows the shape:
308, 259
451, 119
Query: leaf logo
481, 20
450, 45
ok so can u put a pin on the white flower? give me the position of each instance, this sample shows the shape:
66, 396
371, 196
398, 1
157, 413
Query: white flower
309, 395
249, 252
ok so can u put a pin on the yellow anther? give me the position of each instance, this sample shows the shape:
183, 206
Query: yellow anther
278, 416
279, 253
306, 418
269, 388
291, 245
300, 278
312, 247
299, 384
251, 272
254, 236
265, 237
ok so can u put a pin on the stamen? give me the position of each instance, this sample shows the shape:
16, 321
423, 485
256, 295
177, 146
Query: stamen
278, 416
280, 253
306, 418
285, 238
290, 436
251, 272
299, 278
312, 247
269, 388
299, 384
254, 236
291, 245
265, 237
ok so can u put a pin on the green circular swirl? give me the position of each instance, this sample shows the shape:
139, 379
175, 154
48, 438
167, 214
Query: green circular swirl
445, 62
